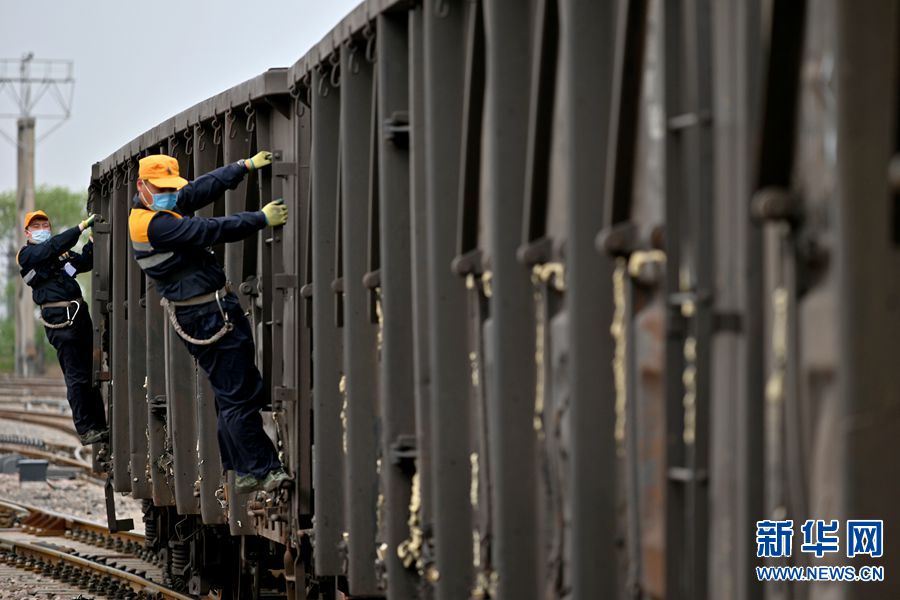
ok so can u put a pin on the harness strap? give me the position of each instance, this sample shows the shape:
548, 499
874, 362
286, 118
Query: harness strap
203, 299
70, 318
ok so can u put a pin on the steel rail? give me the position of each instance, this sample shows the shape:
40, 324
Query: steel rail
71, 523
109, 580
54, 421
51, 562
50, 456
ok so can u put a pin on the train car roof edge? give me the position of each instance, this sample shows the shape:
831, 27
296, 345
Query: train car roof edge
272, 82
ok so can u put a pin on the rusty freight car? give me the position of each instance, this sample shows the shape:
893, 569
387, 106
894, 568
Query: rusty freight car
573, 294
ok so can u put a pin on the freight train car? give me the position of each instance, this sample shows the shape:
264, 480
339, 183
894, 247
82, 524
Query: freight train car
572, 295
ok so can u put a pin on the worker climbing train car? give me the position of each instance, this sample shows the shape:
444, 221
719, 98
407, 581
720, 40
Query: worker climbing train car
513, 300
48, 265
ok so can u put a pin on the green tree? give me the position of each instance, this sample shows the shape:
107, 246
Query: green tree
65, 208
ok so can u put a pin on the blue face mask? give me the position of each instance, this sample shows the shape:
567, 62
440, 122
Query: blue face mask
164, 201
40, 236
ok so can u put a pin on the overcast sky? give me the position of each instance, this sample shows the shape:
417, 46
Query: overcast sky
139, 63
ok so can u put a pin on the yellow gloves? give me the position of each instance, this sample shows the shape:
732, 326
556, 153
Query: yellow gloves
276, 212
89, 222
260, 160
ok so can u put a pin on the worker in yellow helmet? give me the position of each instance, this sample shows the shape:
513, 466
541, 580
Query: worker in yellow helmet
171, 246
49, 265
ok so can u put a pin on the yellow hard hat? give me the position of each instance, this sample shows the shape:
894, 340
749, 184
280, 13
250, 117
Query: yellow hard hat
162, 171
38, 214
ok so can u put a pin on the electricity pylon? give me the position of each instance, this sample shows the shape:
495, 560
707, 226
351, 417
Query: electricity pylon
28, 82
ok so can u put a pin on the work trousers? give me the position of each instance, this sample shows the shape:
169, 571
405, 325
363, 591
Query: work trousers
75, 350
230, 366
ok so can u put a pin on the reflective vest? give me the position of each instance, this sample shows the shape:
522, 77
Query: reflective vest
163, 265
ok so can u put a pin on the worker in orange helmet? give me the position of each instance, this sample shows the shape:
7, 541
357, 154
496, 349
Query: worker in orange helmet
171, 246
48, 265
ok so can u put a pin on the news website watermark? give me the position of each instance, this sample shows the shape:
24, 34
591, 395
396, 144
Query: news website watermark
858, 538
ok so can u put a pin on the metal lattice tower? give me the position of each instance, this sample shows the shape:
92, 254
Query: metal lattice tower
39, 89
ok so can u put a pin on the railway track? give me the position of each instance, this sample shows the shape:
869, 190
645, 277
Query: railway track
52, 555
44, 391
42, 402
69, 452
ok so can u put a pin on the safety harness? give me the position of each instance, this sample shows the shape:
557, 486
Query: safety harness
170, 306
70, 317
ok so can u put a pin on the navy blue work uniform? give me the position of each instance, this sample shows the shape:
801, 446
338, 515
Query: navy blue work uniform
173, 250
50, 269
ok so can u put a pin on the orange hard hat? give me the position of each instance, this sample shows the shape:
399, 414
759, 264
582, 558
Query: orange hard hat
38, 214
162, 171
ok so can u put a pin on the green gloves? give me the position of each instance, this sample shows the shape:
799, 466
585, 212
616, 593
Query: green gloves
260, 160
276, 212
89, 222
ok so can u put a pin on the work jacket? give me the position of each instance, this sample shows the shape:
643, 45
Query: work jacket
49, 268
173, 247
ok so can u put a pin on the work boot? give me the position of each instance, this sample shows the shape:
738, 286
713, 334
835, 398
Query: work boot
274, 479
246, 483
95, 436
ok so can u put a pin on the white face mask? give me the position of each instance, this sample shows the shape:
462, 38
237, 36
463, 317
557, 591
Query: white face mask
39, 236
